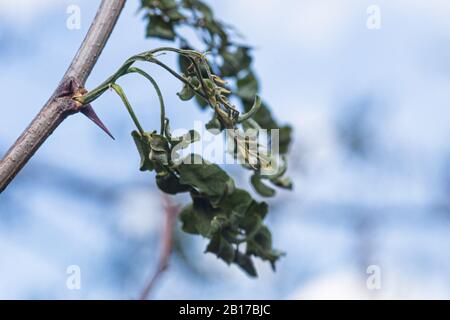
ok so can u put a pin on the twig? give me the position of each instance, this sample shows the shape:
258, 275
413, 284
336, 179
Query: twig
60, 105
170, 214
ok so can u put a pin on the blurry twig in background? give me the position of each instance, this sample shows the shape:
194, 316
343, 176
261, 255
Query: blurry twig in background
170, 214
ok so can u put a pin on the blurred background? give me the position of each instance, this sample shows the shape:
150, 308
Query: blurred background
370, 159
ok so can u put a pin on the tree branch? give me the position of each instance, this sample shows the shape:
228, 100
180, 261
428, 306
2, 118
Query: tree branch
60, 105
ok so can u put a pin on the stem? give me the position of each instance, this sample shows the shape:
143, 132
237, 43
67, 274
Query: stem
105, 85
176, 75
256, 106
158, 92
144, 56
126, 68
171, 49
127, 104
60, 105
253, 124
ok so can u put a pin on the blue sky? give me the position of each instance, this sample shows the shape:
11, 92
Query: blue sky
382, 201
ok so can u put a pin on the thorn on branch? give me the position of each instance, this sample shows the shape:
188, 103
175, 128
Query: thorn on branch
89, 112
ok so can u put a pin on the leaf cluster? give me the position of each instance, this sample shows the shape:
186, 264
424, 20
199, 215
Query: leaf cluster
228, 216
231, 61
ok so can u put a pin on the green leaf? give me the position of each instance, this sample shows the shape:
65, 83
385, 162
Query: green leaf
229, 217
264, 238
210, 85
243, 210
186, 93
283, 182
167, 4
203, 104
158, 142
144, 152
201, 7
261, 246
259, 209
215, 28
214, 125
208, 179
247, 86
245, 59
188, 220
160, 4
234, 62
170, 184
185, 140
253, 218
184, 62
159, 147
196, 218
219, 222
285, 136
175, 15
245, 263
238, 201
260, 187
222, 248
224, 224
159, 28
263, 116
